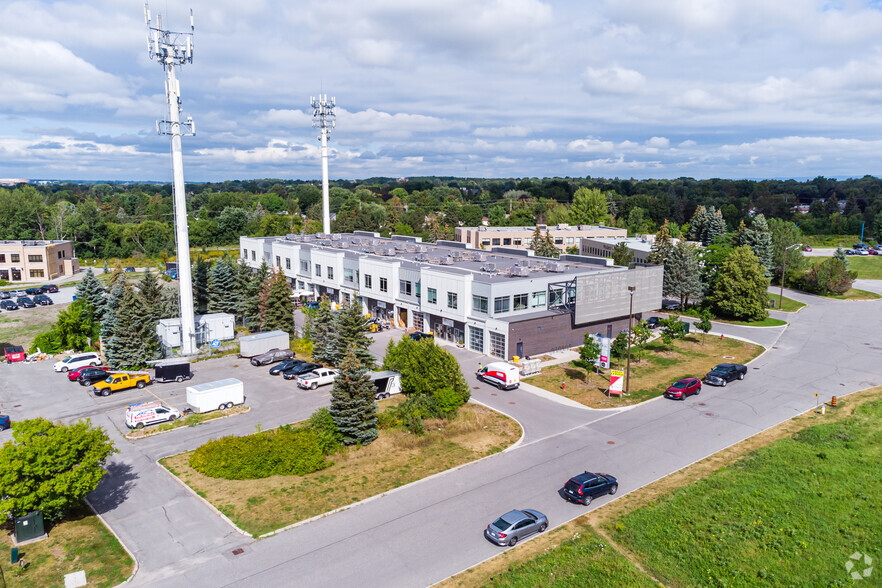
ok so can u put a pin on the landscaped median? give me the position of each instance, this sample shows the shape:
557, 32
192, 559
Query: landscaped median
397, 457
653, 369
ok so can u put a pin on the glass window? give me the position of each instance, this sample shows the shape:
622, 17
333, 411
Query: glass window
330, 273
384, 285
37, 273
501, 304
432, 296
485, 242
497, 345
405, 288
479, 303
569, 240
287, 263
244, 255
304, 265
506, 241
278, 261
476, 339
348, 275
368, 282
318, 270
451, 300
558, 240
517, 241
253, 256
528, 242
538, 299
35, 258
521, 301
2, 258
496, 241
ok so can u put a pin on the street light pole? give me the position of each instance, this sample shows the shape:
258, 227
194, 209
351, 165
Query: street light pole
631, 290
784, 273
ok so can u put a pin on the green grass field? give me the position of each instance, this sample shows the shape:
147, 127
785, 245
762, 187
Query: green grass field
868, 267
787, 304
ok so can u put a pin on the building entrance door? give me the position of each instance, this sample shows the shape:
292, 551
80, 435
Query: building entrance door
402, 318
519, 349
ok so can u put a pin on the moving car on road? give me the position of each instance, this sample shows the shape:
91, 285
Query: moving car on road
587, 486
89, 375
725, 373
272, 356
285, 366
515, 525
682, 388
301, 368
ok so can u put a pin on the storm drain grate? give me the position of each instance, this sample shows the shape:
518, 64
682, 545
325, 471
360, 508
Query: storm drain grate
238, 551
512, 403
610, 442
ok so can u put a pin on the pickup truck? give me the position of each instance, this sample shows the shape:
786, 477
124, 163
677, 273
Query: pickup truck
117, 382
316, 378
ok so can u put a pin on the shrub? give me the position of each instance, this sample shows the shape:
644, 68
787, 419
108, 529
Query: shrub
446, 401
283, 452
46, 342
302, 347
322, 424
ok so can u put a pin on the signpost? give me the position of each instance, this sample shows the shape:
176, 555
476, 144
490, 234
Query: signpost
616, 380
215, 343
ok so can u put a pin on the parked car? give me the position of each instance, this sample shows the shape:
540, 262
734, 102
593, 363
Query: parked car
17, 293
43, 300
50, 289
91, 375
683, 387
5, 422
25, 302
118, 382
73, 375
857, 246
670, 305
652, 322
285, 365
849, 252
862, 251
587, 486
129, 270
317, 377
303, 368
171, 273
725, 373
4, 295
8, 305
34, 291
807, 248
272, 356
77, 361
421, 336
15, 353
872, 252
515, 525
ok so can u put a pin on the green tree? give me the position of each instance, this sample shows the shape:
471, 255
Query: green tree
759, 238
169, 304
200, 285
590, 350
496, 216
671, 329
424, 367
276, 306
682, 277
51, 467
250, 284
223, 291
662, 245
840, 255
741, 288
589, 207
785, 235
353, 407
705, 324
829, 277
132, 341
621, 254
640, 334
151, 293
321, 331
90, 291
351, 327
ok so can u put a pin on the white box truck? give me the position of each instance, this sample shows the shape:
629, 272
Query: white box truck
500, 374
251, 345
216, 395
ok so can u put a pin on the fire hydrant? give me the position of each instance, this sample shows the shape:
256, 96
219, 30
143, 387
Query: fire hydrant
563, 385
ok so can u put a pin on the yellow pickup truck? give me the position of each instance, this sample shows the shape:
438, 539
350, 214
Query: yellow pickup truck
117, 382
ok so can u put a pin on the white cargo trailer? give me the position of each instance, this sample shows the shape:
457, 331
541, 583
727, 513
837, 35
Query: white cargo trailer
216, 395
387, 383
251, 345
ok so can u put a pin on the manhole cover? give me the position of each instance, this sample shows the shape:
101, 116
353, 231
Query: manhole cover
702, 404
238, 551
709, 414
512, 403
476, 387
610, 442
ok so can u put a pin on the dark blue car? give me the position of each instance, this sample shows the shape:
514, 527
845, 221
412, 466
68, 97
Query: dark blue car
5, 422
587, 486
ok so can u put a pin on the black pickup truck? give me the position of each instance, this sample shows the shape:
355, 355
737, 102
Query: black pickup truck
725, 373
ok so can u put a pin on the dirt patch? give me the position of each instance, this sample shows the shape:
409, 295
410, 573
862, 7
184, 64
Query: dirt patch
19, 327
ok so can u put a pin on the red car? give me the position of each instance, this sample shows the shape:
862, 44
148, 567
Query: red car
72, 375
682, 388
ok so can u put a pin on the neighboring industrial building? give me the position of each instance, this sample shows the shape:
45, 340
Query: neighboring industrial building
36, 261
603, 247
503, 302
522, 237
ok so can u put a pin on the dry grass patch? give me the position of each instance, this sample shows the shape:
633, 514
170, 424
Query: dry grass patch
396, 458
652, 370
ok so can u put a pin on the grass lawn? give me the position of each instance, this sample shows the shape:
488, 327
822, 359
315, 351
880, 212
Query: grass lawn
867, 267
855, 294
651, 374
396, 458
767, 322
787, 304
80, 543
19, 327
805, 482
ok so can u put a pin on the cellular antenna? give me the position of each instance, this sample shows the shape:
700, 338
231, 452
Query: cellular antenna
171, 50
323, 118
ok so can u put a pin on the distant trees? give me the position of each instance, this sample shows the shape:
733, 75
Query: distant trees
706, 225
543, 245
621, 254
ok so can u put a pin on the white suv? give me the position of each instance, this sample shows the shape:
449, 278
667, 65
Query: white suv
75, 362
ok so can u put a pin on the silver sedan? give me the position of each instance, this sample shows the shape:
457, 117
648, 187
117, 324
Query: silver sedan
515, 525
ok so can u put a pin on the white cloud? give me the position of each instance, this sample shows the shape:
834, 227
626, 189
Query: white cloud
658, 143
510, 131
590, 145
546, 145
613, 80
380, 52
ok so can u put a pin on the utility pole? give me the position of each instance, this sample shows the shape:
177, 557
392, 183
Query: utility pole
323, 118
173, 49
631, 290
784, 273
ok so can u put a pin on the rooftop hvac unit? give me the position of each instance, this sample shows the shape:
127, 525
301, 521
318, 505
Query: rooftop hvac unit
336, 237
518, 270
400, 247
421, 257
421, 248
480, 257
555, 267
488, 267
447, 260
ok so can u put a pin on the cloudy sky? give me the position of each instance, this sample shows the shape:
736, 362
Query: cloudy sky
481, 88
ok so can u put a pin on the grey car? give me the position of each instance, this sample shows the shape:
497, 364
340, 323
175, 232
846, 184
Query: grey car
515, 525
272, 356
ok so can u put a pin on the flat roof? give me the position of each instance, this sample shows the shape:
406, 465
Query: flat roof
633, 242
575, 228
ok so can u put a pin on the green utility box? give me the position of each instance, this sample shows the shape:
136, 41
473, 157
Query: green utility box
14, 555
29, 526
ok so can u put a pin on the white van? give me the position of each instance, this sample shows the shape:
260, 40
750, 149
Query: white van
75, 362
500, 374
150, 413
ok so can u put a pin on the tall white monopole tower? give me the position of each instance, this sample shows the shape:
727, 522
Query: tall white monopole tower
323, 118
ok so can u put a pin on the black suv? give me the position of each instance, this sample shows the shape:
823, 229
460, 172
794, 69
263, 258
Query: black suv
43, 300
587, 486
34, 291
725, 373
25, 302
284, 366
50, 289
303, 368
421, 336
652, 322
90, 375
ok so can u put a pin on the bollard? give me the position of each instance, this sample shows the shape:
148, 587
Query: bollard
721, 335
833, 402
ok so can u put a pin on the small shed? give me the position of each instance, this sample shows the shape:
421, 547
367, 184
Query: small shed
219, 325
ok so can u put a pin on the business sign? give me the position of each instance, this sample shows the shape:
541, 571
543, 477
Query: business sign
381, 304
603, 360
447, 322
616, 380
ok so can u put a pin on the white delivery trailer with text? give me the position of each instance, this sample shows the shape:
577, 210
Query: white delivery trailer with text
216, 395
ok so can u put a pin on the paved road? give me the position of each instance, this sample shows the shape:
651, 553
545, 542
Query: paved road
429, 530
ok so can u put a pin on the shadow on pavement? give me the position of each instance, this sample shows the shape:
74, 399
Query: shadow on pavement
113, 488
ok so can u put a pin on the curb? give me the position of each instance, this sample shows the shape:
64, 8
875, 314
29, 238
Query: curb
124, 546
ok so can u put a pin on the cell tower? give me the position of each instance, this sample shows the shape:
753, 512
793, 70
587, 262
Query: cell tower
171, 50
323, 118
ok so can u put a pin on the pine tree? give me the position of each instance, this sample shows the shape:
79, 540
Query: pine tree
277, 309
550, 248
536, 241
108, 321
251, 284
353, 407
351, 328
698, 224
132, 341
200, 285
662, 245
90, 291
716, 226
169, 304
223, 294
323, 333
682, 276
759, 238
151, 293
621, 255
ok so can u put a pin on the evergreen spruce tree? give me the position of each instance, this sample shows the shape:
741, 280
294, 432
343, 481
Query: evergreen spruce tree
252, 284
353, 407
277, 308
550, 249
759, 238
223, 293
200, 285
682, 277
662, 245
621, 255
698, 224
716, 226
108, 321
133, 341
151, 293
169, 304
351, 329
323, 334
536, 241
90, 291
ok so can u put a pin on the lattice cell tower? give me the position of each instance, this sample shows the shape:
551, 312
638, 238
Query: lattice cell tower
323, 118
171, 50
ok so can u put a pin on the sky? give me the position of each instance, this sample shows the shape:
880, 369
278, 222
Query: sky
470, 88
